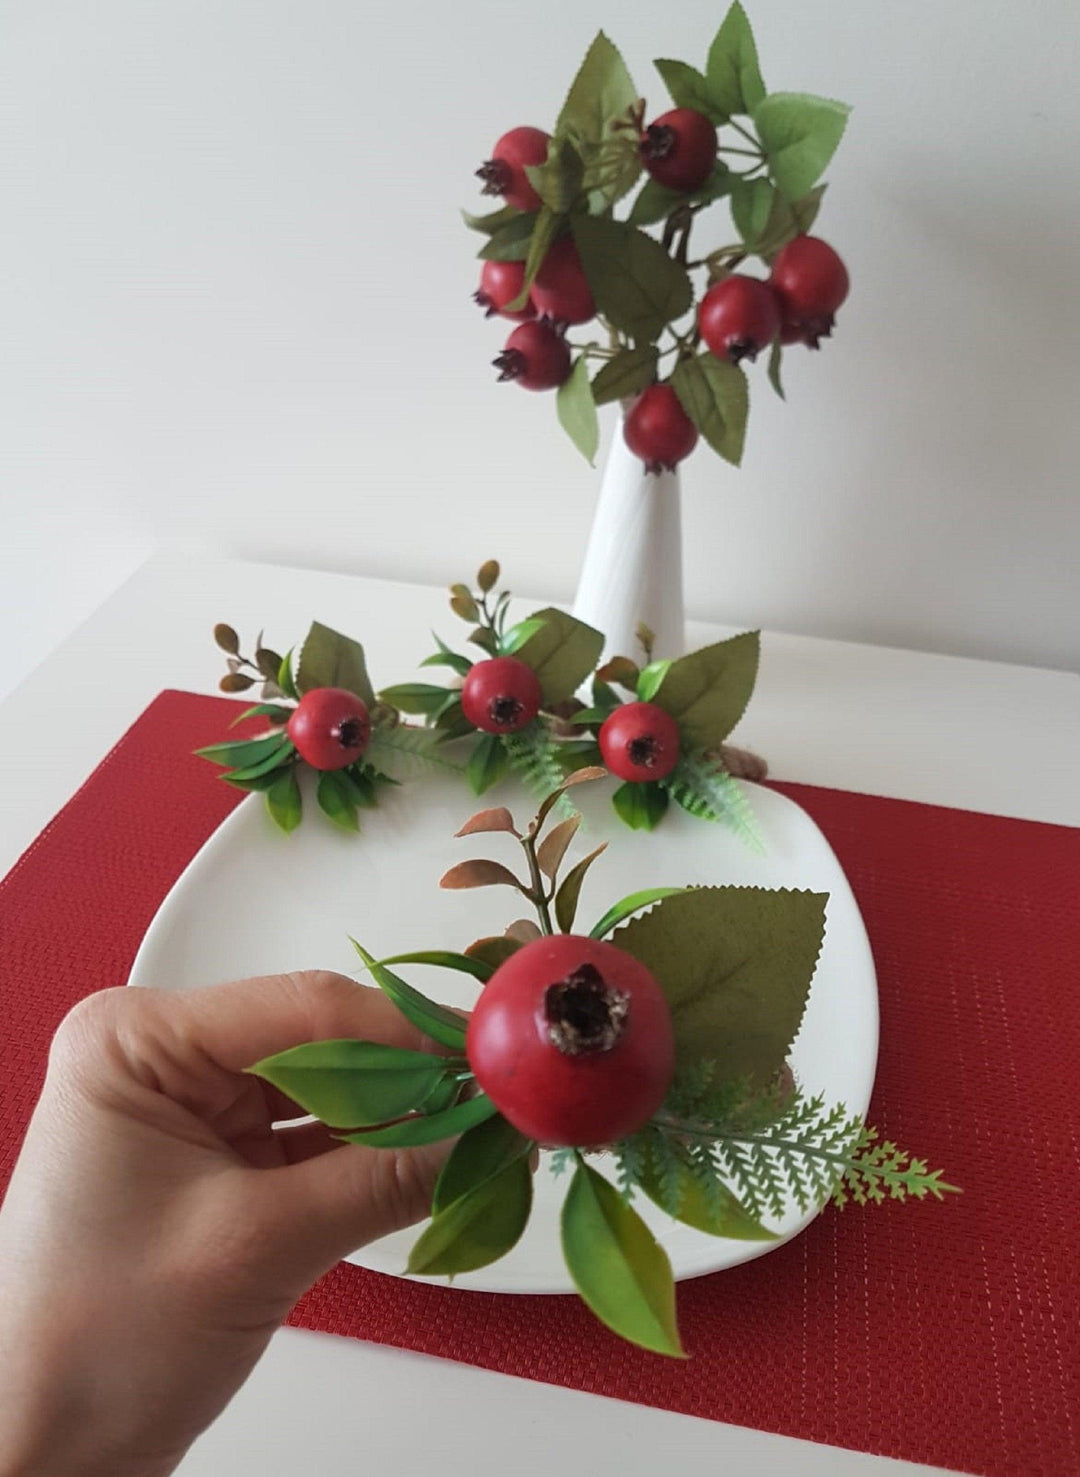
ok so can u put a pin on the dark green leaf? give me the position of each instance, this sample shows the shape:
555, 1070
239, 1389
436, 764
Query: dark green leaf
707, 691
273, 760
689, 89
485, 639
272, 711
434, 1020
576, 410
283, 801
566, 899
476, 1228
261, 782
562, 653
775, 356
227, 638
349, 1083
242, 752
285, 679
492, 222
487, 763
799, 134
649, 680
714, 395
717, 1213
479, 1154
734, 77
445, 959
511, 242
617, 1265
602, 92
628, 373
654, 202
514, 639
559, 179
642, 807
637, 286
445, 1094
751, 208
415, 697
548, 225
735, 964
627, 906
336, 801
459, 664
788, 219
360, 784
328, 659
590, 715
411, 1132
452, 723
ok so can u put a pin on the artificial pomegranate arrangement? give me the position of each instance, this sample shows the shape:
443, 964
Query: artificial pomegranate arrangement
669, 327
651, 1048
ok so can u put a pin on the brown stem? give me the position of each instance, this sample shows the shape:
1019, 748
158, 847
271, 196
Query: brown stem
536, 894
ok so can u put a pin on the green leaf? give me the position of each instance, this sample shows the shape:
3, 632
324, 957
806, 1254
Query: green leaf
733, 73
788, 219
576, 410
649, 680
445, 657
285, 679
479, 1154
485, 639
273, 760
445, 959
707, 691
642, 807
514, 639
416, 697
562, 653
548, 225
558, 181
494, 951
403, 753
359, 782
655, 201
566, 899
273, 711
336, 801
735, 964
617, 1265
799, 134
476, 1228
244, 752
775, 356
602, 92
349, 1083
628, 373
636, 285
715, 396
751, 207
717, 1212
689, 89
627, 906
328, 659
511, 242
261, 782
487, 763
434, 1020
412, 1132
283, 801
493, 221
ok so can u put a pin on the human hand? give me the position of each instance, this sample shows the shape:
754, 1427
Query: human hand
158, 1229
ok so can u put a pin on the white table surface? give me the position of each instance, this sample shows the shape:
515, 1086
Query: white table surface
980, 735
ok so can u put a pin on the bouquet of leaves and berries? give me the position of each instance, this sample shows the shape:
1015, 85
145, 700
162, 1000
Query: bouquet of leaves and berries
658, 1039
667, 327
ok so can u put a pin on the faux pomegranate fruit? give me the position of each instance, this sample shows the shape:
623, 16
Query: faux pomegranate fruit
738, 317
679, 149
640, 742
811, 282
658, 429
504, 173
572, 1041
536, 355
501, 283
560, 290
330, 727
500, 695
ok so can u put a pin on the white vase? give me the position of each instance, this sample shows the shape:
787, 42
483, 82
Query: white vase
632, 573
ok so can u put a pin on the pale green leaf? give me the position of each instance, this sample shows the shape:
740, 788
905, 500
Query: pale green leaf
800, 134
477, 1228
479, 1154
733, 73
601, 92
576, 410
715, 396
690, 89
348, 1083
283, 801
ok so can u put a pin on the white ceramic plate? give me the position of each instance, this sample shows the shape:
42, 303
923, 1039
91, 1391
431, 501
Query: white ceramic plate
254, 902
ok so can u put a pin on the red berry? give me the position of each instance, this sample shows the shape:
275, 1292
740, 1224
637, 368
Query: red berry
501, 283
572, 1041
501, 695
658, 429
739, 316
560, 290
330, 727
811, 282
536, 355
504, 173
679, 149
640, 742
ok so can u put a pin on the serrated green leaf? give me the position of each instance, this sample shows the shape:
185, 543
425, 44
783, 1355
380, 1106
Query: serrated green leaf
626, 907
715, 396
243, 752
566, 899
628, 373
479, 1154
690, 89
640, 806
636, 285
602, 92
562, 653
349, 1083
620, 1270
510, 243
416, 697
477, 1228
775, 357
329, 659
800, 134
788, 219
487, 763
735, 964
751, 208
576, 410
479, 969
717, 1214
402, 753
283, 801
707, 691
336, 801
412, 1132
733, 73
434, 1020
493, 221
558, 181
654, 201
650, 678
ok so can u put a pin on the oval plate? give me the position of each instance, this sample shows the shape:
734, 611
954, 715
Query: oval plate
254, 902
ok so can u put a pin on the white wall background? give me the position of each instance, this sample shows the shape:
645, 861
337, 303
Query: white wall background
235, 310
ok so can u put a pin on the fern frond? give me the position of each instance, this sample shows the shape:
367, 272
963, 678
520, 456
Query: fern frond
560, 1160
701, 785
401, 752
629, 1165
534, 757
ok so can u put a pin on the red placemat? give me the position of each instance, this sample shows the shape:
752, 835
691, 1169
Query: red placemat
944, 1334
